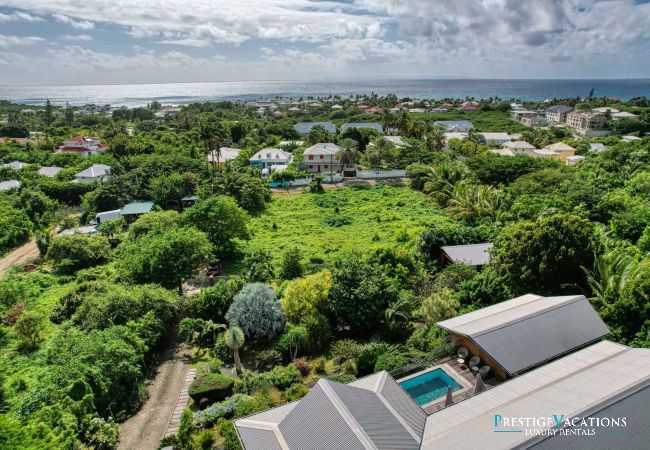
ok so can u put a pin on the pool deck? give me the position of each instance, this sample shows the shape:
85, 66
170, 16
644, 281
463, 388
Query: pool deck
468, 379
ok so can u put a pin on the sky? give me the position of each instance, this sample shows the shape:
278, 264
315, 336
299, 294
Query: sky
158, 41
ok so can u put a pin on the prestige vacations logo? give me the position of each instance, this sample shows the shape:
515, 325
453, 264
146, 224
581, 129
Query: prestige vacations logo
557, 424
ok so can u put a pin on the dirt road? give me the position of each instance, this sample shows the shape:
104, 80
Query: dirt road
22, 255
145, 430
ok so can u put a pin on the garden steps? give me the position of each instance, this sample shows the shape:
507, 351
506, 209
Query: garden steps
181, 403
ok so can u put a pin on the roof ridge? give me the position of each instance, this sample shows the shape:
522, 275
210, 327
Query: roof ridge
530, 316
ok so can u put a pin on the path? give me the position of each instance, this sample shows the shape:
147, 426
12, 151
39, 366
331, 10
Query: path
181, 403
22, 255
145, 430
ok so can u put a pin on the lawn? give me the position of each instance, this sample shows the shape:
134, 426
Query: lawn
339, 220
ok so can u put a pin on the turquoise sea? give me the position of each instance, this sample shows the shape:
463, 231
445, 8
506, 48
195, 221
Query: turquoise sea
183, 93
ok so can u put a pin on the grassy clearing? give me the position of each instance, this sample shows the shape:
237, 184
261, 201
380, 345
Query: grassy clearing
340, 220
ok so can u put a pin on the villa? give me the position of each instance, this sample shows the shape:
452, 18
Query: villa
589, 124
468, 107
321, 158
271, 158
224, 156
51, 171
82, 145
470, 254
557, 113
547, 350
529, 118
94, 174
305, 127
372, 125
519, 148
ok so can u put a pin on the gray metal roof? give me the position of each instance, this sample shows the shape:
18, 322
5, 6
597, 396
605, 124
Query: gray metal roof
471, 254
305, 127
374, 125
456, 125
559, 109
601, 374
634, 406
373, 412
529, 330
10, 184
49, 171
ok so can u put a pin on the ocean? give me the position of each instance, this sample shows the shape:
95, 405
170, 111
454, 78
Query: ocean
184, 93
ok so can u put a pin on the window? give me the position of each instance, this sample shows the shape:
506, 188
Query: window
326, 166
311, 167
321, 156
311, 157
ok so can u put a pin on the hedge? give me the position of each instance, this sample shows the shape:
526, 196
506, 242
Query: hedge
213, 386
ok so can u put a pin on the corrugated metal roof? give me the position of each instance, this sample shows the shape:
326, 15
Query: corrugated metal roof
259, 438
9, 184
305, 127
456, 125
49, 171
373, 412
95, 171
470, 254
528, 330
323, 148
137, 208
571, 386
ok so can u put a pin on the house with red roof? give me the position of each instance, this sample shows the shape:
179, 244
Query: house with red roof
468, 107
83, 145
373, 110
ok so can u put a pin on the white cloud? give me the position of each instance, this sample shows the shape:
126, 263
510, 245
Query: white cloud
10, 41
77, 37
19, 16
78, 24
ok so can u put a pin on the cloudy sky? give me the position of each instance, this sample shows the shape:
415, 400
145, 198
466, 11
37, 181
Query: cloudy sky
140, 41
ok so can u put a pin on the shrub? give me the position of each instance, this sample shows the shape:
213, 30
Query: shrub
257, 311
319, 365
389, 361
302, 365
213, 386
13, 313
281, 377
341, 377
225, 409
295, 392
267, 359
346, 349
368, 358
291, 264
71, 253
221, 350
226, 429
251, 405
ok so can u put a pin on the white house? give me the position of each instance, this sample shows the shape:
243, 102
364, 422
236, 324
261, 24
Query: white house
226, 155
15, 165
519, 147
496, 138
83, 146
270, 157
94, 174
321, 158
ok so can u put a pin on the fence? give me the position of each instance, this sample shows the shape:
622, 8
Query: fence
429, 360
292, 183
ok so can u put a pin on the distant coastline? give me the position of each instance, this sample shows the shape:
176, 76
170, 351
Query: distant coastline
185, 93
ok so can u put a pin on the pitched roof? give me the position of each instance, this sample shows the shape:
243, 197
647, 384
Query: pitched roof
470, 254
559, 109
374, 412
456, 125
49, 171
526, 331
584, 384
16, 165
373, 125
518, 145
498, 136
95, 171
227, 154
9, 184
323, 148
271, 154
560, 147
305, 127
135, 208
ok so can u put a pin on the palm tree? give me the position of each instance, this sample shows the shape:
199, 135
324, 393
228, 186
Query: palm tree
476, 138
234, 338
348, 154
381, 150
442, 180
398, 313
471, 202
210, 327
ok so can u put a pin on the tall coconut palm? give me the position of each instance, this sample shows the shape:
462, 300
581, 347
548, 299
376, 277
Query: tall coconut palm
348, 154
234, 338
471, 202
381, 150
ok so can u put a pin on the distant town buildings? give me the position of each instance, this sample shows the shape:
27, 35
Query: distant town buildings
83, 145
589, 124
557, 113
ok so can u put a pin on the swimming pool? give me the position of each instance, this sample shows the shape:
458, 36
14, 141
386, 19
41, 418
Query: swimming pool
429, 386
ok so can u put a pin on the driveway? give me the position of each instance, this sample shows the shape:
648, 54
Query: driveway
22, 255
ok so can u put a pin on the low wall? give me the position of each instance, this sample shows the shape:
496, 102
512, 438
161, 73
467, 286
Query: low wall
292, 183
381, 174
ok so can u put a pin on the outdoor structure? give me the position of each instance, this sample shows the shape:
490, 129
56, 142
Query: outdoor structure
560, 151
88, 230
9, 185
605, 109
574, 160
83, 145
602, 380
94, 174
132, 211
470, 254
372, 125
49, 171
597, 147
271, 158
588, 124
371, 413
624, 115
225, 155
321, 158
15, 165
497, 139
519, 334
305, 127
455, 125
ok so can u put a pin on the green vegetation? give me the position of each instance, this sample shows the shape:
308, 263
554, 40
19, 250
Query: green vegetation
273, 291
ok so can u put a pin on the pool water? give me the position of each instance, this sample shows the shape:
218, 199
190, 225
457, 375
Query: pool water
429, 386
